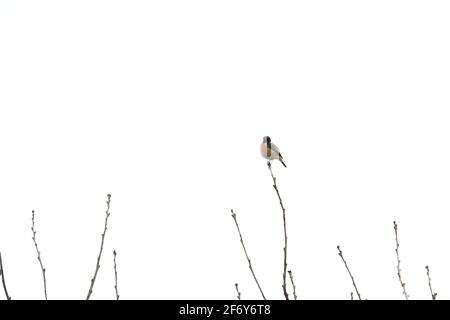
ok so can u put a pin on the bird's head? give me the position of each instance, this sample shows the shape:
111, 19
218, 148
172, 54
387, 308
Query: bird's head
266, 139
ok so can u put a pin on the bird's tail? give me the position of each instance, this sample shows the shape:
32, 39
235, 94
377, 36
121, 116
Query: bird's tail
284, 164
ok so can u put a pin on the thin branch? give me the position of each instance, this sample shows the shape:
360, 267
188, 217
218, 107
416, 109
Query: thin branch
238, 292
246, 255
2, 273
101, 247
292, 282
286, 295
115, 275
403, 284
346, 266
33, 230
351, 295
433, 294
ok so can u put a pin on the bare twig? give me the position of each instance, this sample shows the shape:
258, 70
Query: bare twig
293, 285
346, 266
246, 255
433, 294
2, 273
238, 292
403, 284
33, 230
351, 295
101, 247
115, 275
286, 295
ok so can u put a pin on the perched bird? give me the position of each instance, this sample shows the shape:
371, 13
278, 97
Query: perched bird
270, 151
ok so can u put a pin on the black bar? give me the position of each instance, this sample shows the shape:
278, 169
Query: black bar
226, 309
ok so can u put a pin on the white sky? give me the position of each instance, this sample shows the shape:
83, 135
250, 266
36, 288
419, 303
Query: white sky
163, 104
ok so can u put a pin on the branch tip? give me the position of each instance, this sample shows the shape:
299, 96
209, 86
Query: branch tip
283, 209
246, 255
33, 230
348, 270
115, 275
101, 247
402, 283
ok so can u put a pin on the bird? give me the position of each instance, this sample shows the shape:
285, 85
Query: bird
270, 151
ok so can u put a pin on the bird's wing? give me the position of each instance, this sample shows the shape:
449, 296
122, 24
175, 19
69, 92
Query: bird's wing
275, 149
